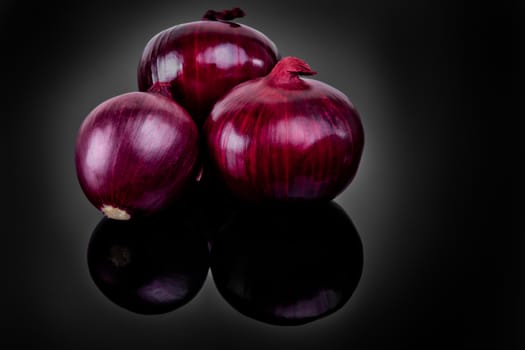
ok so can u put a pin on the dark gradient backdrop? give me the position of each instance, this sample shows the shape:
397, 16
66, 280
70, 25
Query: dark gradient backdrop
405, 65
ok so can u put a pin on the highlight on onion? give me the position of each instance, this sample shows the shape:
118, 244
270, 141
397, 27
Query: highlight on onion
285, 138
135, 154
288, 265
148, 265
196, 63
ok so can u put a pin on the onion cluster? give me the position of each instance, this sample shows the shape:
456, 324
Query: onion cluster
220, 119
216, 97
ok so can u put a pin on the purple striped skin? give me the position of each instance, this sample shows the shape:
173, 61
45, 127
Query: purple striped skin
197, 63
283, 138
136, 152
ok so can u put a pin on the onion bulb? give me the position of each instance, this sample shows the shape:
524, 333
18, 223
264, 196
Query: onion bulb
196, 63
135, 154
285, 138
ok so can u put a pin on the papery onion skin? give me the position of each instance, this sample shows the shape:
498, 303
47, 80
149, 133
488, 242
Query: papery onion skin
287, 265
148, 265
285, 138
196, 63
135, 154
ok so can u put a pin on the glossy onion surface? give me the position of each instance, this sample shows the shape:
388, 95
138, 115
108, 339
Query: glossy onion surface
135, 153
147, 265
282, 137
196, 63
288, 265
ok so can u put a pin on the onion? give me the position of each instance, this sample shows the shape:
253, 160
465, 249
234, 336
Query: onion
287, 265
135, 154
147, 265
281, 137
196, 63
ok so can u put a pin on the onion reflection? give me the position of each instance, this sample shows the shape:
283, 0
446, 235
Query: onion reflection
288, 265
147, 266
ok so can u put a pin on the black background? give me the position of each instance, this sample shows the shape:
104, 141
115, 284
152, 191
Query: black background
432, 277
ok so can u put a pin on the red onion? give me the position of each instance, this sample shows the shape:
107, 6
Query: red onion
287, 265
281, 137
196, 63
135, 153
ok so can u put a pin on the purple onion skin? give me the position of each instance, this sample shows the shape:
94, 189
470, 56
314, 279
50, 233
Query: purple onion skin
287, 265
148, 265
283, 138
135, 154
197, 63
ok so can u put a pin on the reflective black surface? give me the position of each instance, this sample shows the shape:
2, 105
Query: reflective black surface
287, 265
148, 266
280, 264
